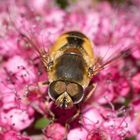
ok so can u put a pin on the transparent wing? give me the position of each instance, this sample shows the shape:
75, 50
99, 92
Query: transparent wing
30, 37
110, 55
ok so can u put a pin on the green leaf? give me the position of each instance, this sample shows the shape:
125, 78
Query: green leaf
62, 3
132, 138
115, 1
42, 123
127, 101
74, 1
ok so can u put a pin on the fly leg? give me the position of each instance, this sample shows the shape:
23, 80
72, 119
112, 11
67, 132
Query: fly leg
43, 84
92, 89
48, 111
67, 126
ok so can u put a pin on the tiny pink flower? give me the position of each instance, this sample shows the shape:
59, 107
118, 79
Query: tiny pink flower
15, 118
91, 116
102, 124
54, 131
14, 135
136, 82
77, 134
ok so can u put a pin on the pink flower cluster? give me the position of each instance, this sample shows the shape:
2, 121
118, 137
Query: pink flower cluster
113, 112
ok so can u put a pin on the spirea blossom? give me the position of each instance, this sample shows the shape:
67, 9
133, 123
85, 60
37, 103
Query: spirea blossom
113, 111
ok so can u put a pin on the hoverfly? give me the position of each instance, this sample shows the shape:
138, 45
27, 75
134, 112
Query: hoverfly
70, 64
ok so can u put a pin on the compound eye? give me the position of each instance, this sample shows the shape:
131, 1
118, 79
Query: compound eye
60, 87
56, 88
75, 91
